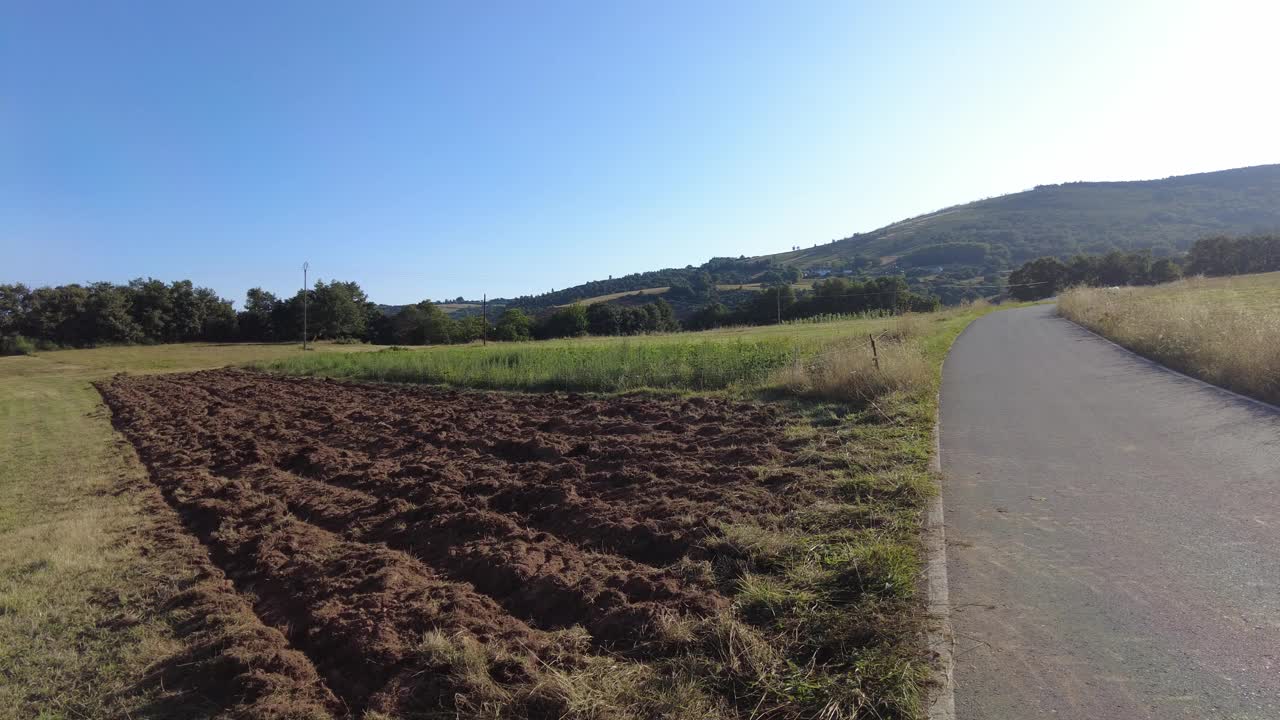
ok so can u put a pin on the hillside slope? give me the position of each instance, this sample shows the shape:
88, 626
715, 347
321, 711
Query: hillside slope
1078, 217
963, 252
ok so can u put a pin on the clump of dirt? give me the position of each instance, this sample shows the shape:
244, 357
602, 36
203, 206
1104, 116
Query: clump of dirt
408, 549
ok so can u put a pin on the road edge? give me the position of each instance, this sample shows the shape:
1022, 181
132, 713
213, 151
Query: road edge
938, 633
939, 636
1261, 403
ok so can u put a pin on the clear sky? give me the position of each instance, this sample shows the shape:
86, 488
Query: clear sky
432, 149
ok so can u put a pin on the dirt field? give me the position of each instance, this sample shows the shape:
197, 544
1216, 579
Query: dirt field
411, 551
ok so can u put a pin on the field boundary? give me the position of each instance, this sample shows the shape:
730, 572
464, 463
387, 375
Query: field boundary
939, 636
1261, 403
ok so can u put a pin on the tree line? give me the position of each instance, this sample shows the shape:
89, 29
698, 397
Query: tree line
142, 311
149, 311
828, 297
1219, 255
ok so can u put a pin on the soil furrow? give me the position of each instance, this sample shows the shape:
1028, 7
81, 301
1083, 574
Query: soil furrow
386, 529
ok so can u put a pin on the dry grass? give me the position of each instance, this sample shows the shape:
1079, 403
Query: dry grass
1225, 330
858, 376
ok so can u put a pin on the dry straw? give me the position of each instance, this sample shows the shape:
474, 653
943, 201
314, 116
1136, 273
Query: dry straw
1189, 326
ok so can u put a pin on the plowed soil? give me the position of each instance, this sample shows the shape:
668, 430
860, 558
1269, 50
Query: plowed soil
378, 533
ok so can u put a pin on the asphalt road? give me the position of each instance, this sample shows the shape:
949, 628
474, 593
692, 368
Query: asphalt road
1113, 532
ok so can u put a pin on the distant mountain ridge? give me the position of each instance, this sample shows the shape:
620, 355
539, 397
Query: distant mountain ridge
1078, 217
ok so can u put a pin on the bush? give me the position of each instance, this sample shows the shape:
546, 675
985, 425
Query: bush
17, 345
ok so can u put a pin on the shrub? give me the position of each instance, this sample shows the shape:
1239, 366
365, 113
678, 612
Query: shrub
16, 345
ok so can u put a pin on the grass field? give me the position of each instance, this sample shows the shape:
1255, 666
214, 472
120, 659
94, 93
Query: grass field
1223, 330
84, 582
743, 358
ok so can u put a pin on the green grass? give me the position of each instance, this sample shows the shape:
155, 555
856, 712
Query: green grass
726, 359
591, 367
81, 586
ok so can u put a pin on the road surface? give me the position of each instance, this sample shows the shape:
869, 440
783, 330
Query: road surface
1113, 532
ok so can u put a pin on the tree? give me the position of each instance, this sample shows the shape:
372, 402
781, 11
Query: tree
604, 319
664, 317
702, 284
468, 329
107, 316
1118, 268
766, 307
379, 327
711, 315
423, 324
187, 319
1038, 279
1165, 270
218, 317
15, 303
1084, 270
338, 310
570, 321
286, 316
1234, 256
57, 314
151, 304
255, 321
513, 325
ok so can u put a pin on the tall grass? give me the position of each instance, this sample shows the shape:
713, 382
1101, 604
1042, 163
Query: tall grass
836, 363
1199, 327
858, 376
589, 367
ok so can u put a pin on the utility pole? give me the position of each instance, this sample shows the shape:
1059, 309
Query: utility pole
484, 310
305, 266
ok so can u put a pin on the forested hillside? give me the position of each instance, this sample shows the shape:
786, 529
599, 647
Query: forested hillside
1081, 217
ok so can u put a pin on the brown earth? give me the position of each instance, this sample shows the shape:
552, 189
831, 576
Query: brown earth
368, 542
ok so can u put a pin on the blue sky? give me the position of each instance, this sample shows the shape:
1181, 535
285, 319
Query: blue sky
431, 150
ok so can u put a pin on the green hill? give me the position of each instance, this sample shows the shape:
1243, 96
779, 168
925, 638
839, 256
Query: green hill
965, 251
1081, 217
